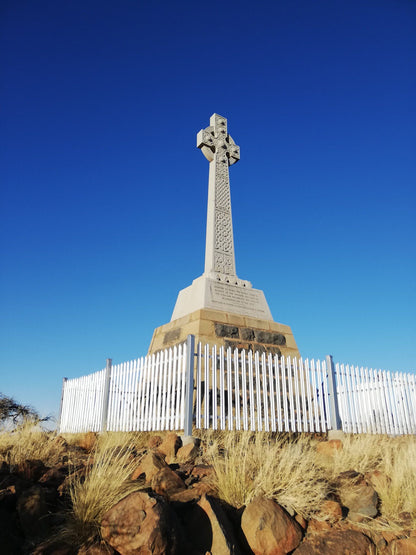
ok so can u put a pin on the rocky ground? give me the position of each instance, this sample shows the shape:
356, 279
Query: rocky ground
176, 509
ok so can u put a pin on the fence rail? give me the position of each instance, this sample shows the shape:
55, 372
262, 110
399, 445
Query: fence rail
238, 390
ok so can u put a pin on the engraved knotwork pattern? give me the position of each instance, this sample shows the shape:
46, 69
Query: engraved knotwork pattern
223, 263
222, 184
223, 232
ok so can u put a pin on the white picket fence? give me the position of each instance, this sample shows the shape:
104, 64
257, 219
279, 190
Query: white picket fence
376, 401
143, 394
238, 390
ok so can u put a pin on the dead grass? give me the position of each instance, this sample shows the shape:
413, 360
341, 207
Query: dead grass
395, 461
277, 467
104, 485
398, 494
362, 453
27, 442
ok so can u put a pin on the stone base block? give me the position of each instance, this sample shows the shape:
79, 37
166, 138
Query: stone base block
226, 329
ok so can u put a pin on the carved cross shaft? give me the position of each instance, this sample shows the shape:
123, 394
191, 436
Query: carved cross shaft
221, 151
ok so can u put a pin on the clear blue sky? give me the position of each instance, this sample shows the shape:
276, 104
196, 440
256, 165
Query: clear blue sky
104, 193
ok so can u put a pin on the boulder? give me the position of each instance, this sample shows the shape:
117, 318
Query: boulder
142, 524
166, 482
328, 448
32, 510
150, 465
331, 510
154, 442
31, 469
87, 441
357, 495
187, 453
301, 521
217, 531
203, 470
8, 498
336, 542
378, 479
194, 492
269, 530
316, 526
170, 445
52, 478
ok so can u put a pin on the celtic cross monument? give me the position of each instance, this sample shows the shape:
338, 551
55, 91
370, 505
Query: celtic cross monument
221, 151
218, 307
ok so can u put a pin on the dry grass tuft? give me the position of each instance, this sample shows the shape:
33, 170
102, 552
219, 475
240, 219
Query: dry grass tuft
280, 468
27, 442
398, 494
104, 485
362, 453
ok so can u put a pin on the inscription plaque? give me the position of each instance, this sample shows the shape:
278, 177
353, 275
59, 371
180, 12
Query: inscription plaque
233, 298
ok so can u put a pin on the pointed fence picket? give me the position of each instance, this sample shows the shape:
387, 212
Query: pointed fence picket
238, 390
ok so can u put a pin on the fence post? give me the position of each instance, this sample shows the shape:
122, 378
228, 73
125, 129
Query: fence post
189, 385
61, 405
106, 395
333, 398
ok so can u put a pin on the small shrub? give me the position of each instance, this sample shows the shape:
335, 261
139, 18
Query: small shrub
14, 413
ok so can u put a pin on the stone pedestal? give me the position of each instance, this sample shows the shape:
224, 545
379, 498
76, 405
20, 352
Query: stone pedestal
223, 293
228, 329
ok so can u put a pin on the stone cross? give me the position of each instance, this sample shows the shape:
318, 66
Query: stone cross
221, 152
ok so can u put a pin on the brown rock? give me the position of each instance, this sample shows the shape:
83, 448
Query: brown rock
331, 510
378, 479
404, 546
194, 492
187, 453
52, 477
357, 495
166, 482
154, 442
87, 441
32, 510
170, 445
150, 465
329, 448
268, 529
316, 526
8, 498
31, 469
185, 496
301, 521
205, 487
336, 542
203, 470
222, 541
140, 524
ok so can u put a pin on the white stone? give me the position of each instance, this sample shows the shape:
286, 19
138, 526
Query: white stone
210, 293
219, 287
